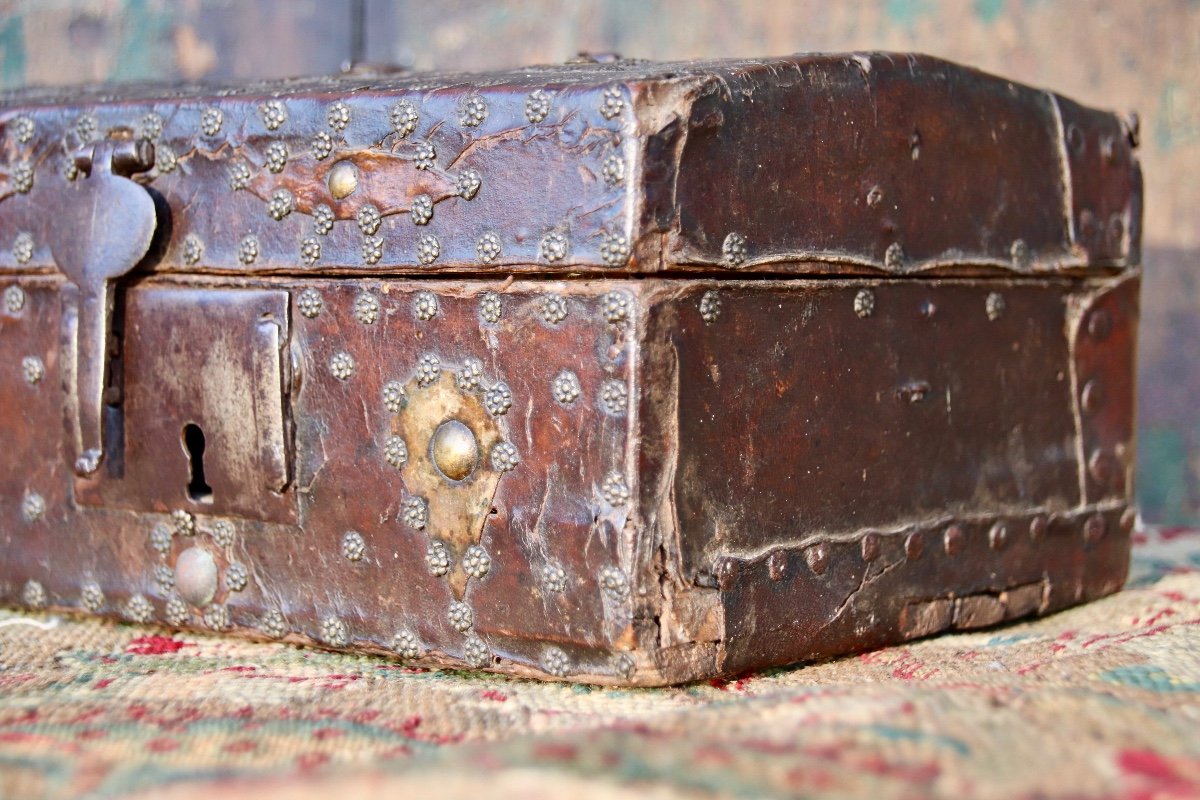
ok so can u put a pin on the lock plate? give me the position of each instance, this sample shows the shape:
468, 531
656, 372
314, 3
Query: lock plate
203, 421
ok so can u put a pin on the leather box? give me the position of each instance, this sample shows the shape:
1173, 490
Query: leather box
613, 371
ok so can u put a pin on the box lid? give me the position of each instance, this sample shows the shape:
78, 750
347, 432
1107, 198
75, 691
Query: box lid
814, 164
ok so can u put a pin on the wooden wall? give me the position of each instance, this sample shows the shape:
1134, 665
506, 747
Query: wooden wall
1119, 54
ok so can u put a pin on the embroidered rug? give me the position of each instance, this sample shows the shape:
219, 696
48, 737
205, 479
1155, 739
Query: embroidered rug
1100, 701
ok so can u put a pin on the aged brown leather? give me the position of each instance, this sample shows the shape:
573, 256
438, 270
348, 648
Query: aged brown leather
621, 372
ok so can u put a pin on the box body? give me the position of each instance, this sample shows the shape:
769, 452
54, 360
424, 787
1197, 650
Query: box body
626, 373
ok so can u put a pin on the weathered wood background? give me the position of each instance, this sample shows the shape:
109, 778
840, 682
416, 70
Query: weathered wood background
1110, 53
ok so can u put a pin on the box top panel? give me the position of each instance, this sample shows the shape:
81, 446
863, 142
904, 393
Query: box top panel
810, 164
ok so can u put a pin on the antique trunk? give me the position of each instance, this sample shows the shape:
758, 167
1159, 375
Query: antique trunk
611, 371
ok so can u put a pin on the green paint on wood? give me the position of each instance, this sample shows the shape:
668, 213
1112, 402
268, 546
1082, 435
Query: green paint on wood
1162, 476
12, 51
907, 12
988, 10
145, 46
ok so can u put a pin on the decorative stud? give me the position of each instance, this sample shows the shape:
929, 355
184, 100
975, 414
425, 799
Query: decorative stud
425, 306
416, 513
309, 302
196, 575
342, 179
490, 307
612, 103
422, 209
395, 452
239, 176
429, 368
994, 306
322, 146
614, 248
1021, 257
273, 113
280, 204
566, 387
193, 249
537, 106
22, 248
33, 594
223, 533
998, 536
893, 258
467, 183
164, 576
24, 129
425, 155
33, 369
406, 645
138, 609
248, 249
614, 583
165, 160
310, 250
217, 617
476, 652
14, 299
476, 561
553, 247
211, 120
322, 220
454, 450
1038, 527
733, 250
273, 624
504, 457
864, 303
555, 662
394, 396
404, 118
460, 616
614, 397
437, 559
151, 126
22, 177
613, 171
183, 523
372, 249
488, 247
615, 306
914, 546
615, 492
353, 546
176, 612
33, 507
92, 597
498, 399
553, 308
710, 306
334, 632
870, 547
1094, 528
277, 156
817, 558
236, 577
472, 111
777, 565
554, 577
86, 127
341, 366
160, 539
369, 219
952, 540
625, 665
469, 377
428, 249
338, 115
366, 308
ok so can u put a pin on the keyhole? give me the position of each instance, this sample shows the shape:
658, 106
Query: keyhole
198, 490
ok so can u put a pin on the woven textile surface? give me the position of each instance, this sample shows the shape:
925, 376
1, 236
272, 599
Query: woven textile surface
1098, 701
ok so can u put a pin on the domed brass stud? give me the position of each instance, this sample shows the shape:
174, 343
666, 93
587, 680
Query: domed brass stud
454, 450
343, 179
196, 576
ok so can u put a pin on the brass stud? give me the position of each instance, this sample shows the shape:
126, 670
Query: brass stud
1038, 527
777, 565
817, 558
343, 179
454, 450
1094, 528
196, 576
952, 540
870, 547
998, 536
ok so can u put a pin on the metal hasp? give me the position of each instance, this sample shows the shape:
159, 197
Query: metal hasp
111, 222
